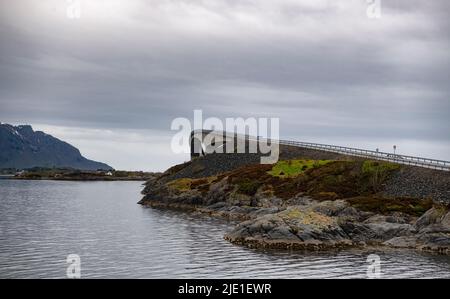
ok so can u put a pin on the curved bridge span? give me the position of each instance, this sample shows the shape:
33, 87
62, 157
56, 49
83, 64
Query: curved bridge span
200, 147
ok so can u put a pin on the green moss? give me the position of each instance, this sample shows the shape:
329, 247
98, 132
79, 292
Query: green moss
293, 168
186, 184
326, 196
181, 184
374, 173
248, 187
380, 205
371, 167
320, 179
292, 214
306, 217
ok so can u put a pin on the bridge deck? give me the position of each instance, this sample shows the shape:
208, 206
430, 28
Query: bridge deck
383, 156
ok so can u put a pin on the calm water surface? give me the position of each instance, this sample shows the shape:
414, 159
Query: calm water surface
41, 222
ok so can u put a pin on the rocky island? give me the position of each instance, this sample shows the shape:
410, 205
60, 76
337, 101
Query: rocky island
312, 200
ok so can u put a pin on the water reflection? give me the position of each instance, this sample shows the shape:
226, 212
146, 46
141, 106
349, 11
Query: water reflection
43, 221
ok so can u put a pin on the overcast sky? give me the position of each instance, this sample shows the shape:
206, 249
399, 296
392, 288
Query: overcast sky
111, 81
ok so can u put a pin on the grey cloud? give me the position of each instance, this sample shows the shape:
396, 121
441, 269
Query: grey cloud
321, 66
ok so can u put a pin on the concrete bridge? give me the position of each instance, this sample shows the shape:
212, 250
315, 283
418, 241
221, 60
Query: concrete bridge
204, 142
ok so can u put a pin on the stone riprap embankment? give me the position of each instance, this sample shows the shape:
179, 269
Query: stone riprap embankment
420, 183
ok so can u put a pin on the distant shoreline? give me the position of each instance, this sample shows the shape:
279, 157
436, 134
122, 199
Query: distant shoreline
77, 175
105, 179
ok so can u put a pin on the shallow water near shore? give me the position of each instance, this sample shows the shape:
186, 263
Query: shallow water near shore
42, 222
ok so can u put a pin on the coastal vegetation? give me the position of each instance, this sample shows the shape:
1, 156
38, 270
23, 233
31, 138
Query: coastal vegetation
385, 206
293, 168
39, 173
315, 204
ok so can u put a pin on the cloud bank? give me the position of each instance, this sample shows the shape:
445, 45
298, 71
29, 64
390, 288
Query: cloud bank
330, 73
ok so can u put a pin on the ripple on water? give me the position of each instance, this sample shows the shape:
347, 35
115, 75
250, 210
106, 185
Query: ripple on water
42, 222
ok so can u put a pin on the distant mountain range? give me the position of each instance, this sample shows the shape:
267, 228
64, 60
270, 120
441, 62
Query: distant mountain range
21, 147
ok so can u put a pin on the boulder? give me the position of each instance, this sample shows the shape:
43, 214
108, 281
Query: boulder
386, 230
437, 242
434, 230
446, 220
358, 232
432, 216
291, 228
330, 208
393, 218
263, 211
402, 242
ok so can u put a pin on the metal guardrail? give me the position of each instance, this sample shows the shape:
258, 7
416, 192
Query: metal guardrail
395, 158
349, 151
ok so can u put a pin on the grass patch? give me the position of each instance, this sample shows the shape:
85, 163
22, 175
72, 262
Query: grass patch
320, 179
248, 187
181, 184
371, 167
293, 168
311, 218
410, 206
186, 184
376, 172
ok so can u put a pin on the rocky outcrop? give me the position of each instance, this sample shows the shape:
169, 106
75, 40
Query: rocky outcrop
432, 232
311, 227
308, 206
293, 228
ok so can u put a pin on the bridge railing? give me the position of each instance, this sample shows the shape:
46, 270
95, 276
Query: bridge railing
395, 158
349, 151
